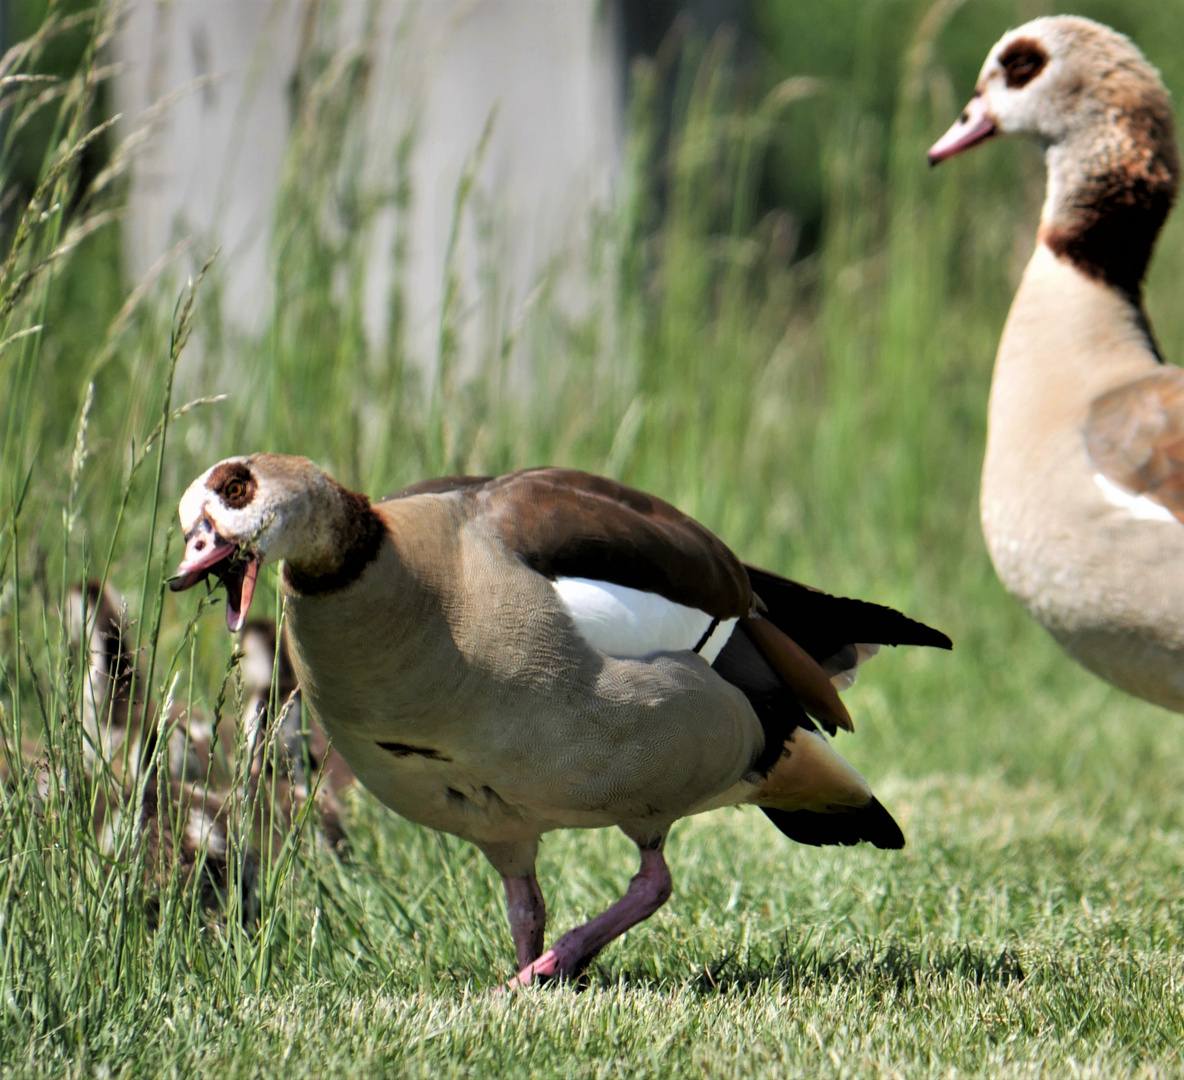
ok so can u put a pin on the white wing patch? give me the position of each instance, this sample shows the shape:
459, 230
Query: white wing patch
1140, 506
719, 638
625, 622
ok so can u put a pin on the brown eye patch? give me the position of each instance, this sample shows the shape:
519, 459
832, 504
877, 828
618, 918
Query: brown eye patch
1022, 61
233, 483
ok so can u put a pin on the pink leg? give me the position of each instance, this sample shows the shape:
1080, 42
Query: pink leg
648, 891
528, 916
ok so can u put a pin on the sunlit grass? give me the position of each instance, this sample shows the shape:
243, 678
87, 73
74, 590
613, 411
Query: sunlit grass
823, 414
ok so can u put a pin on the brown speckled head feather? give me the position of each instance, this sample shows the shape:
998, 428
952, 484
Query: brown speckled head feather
1123, 183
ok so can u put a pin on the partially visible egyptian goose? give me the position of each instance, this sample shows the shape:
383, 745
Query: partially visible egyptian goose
497, 658
188, 815
184, 823
189, 831
305, 759
119, 729
112, 691
1083, 483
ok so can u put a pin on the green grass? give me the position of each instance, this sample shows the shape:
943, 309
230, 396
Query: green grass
823, 411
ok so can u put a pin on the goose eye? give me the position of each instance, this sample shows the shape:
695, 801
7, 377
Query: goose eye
1022, 62
233, 483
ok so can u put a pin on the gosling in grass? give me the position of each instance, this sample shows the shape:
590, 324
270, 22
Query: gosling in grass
298, 762
499, 657
120, 725
185, 821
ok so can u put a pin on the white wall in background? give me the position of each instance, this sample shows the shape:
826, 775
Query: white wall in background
210, 168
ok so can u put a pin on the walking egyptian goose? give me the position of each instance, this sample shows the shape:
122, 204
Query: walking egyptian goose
1083, 482
499, 657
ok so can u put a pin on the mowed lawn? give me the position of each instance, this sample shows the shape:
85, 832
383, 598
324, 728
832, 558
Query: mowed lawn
822, 410
1032, 926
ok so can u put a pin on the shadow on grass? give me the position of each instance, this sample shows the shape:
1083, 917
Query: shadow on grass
879, 968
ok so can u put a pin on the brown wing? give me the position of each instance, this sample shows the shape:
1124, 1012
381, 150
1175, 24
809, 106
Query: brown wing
1135, 435
565, 523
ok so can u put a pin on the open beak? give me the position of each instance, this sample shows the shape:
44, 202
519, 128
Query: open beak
974, 126
204, 549
208, 553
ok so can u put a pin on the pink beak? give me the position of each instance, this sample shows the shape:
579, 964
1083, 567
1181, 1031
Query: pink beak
974, 126
203, 548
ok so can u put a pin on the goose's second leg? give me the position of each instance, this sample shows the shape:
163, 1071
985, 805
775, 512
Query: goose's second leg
649, 889
528, 916
525, 907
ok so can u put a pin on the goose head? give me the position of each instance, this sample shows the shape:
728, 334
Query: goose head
246, 512
1103, 117
1058, 79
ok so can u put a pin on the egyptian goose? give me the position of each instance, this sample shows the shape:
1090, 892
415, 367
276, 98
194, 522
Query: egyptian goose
112, 691
499, 657
120, 730
1083, 482
306, 760
185, 824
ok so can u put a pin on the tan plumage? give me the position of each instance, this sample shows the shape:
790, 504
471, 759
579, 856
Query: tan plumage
436, 642
1082, 481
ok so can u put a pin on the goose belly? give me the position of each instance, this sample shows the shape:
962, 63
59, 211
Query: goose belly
531, 759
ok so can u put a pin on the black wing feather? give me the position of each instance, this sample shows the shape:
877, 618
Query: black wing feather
823, 624
871, 823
